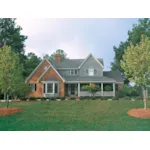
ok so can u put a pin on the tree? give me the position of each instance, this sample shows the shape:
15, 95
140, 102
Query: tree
10, 35
135, 63
30, 63
18, 87
58, 51
10, 70
134, 36
92, 88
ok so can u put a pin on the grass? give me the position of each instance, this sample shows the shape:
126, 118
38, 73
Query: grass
92, 115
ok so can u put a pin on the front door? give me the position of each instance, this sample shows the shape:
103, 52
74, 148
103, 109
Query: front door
72, 89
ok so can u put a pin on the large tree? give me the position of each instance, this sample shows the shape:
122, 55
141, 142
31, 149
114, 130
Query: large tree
136, 64
30, 63
52, 56
10, 34
10, 72
142, 27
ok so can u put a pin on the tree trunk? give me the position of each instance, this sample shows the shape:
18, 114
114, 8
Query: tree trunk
144, 97
7, 100
4, 96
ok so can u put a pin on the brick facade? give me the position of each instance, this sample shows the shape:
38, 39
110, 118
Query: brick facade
49, 74
120, 85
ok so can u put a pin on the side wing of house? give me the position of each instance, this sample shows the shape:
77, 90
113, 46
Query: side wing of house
45, 80
36, 88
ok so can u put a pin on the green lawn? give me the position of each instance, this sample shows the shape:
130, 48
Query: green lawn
74, 115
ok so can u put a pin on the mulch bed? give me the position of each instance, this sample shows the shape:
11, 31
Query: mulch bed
8, 111
139, 113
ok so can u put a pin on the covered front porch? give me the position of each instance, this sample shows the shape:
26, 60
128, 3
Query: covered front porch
75, 89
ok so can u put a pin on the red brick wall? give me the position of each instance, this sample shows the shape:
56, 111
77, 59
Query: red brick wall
120, 85
49, 74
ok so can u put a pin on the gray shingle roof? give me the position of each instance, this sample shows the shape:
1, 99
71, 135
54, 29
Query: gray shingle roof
116, 75
70, 63
89, 78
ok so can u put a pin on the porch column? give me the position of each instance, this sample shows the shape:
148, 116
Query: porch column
114, 89
101, 89
78, 89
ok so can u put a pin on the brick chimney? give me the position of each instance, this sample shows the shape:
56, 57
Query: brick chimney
57, 57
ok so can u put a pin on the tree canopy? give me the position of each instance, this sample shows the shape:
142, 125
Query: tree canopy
11, 78
30, 63
58, 51
135, 63
134, 36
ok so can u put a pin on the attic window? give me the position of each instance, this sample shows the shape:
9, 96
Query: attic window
45, 68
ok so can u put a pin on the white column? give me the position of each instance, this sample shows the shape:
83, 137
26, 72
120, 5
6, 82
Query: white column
78, 89
113, 89
101, 89
45, 88
53, 88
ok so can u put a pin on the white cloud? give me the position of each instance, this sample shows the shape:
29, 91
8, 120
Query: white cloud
47, 35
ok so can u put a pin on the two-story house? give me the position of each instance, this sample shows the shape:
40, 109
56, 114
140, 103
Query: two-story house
66, 77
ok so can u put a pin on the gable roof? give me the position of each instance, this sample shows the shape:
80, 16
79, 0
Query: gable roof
94, 58
71, 63
44, 71
35, 69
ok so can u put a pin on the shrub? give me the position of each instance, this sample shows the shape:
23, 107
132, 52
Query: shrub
126, 98
127, 90
33, 98
72, 98
92, 88
106, 98
23, 98
62, 98
107, 88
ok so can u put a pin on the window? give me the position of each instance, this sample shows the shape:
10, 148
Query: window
43, 88
73, 72
91, 72
56, 87
95, 71
49, 87
45, 68
33, 87
76, 72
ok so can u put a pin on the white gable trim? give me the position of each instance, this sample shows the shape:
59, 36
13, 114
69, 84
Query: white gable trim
94, 58
56, 71
43, 74
34, 70
44, 71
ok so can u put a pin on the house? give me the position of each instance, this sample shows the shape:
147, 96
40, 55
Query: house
66, 77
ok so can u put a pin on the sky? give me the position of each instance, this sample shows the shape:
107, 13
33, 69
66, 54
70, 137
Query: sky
77, 37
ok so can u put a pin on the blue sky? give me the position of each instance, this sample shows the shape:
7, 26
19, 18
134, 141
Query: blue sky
77, 37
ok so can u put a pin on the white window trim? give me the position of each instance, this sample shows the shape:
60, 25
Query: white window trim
47, 89
51, 82
74, 74
90, 70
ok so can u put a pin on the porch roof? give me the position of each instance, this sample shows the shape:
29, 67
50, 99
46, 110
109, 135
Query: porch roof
88, 79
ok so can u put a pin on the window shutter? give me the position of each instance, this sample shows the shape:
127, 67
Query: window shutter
95, 71
34, 87
87, 71
44, 88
